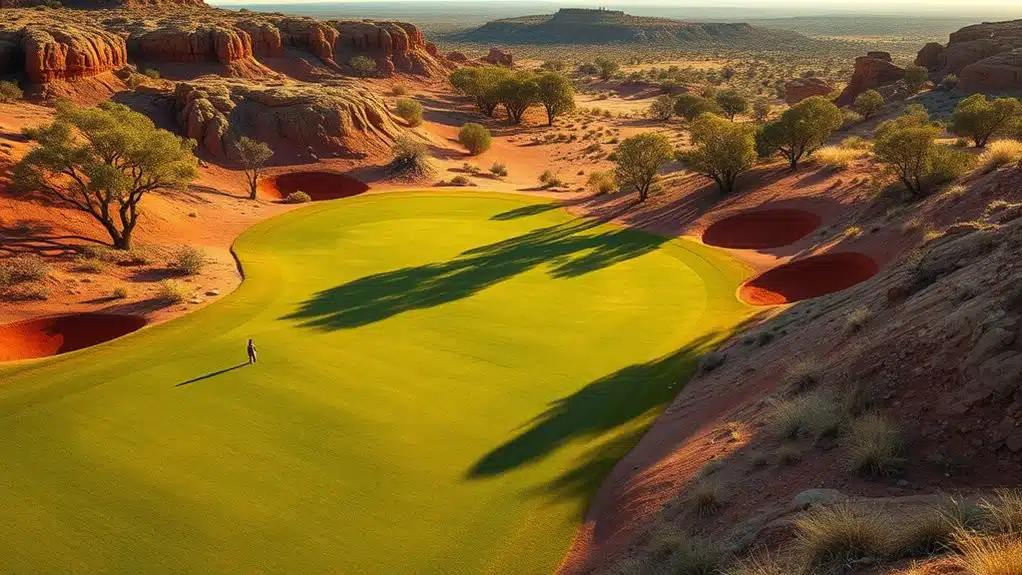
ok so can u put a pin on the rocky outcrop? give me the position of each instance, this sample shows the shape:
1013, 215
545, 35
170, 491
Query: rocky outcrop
297, 120
457, 57
801, 88
205, 44
498, 57
68, 52
985, 54
872, 71
396, 47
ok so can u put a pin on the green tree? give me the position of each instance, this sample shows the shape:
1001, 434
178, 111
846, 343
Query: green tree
607, 68
690, 106
639, 160
980, 119
761, 110
722, 150
908, 147
364, 66
254, 155
475, 137
557, 95
733, 103
410, 111
868, 104
481, 84
662, 108
103, 161
802, 129
915, 78
517, 93
10, 91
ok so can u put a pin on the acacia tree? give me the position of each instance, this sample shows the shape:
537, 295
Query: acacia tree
254, 155
556, 94
517, 93
639, 160
364, 66
690, 106
733, 103
723, 150
662, 108
802, 129
980, 119
481, 84
607, 68
868, 104
908, 147
103, 161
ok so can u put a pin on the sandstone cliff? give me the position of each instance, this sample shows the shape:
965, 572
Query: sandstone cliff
986, 57
872, 71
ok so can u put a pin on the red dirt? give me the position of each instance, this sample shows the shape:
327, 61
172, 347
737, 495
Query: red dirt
319, 185
808, 278
762, 229
54, 335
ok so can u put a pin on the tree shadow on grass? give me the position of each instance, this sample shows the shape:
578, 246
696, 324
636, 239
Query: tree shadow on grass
625, 397
571, 250
525, 211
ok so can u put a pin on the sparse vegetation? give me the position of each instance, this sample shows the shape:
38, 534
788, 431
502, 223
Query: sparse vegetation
980, 119
707, 497
410, 111
10, 91
801, 129
874, 446
364, 66
1000, 153
601, 182
498, 169
171, 292
813, 414
839, 534
411, 159
803, 374
254, 155
21, 269
188, 260
639, 160
868, 104
475, 137
120, 293
838, 158
722, 150
662, 108
908, 147
297, 197
916, 77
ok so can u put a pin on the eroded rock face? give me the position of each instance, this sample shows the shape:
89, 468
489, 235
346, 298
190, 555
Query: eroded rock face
498, 57
984, 56
67, 52
297, 120
801, 88
872, 71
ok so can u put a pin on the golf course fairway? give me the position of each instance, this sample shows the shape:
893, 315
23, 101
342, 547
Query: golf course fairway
443, 381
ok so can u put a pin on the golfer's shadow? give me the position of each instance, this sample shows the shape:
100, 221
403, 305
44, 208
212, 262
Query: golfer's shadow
214, 374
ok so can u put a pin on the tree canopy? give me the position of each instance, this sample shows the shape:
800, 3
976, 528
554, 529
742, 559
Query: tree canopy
802, 129
518, 92
722, 150
639, 160
733, 103
908, 147
556, 93
481, 84
662, 108
103, 161
868, 104
254, 155
364, 66
980, 119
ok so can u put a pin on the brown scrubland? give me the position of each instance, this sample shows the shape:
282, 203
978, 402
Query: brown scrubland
868, 419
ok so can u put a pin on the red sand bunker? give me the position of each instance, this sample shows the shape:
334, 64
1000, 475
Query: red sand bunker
761, 229
48, 336
319, 185
808, 278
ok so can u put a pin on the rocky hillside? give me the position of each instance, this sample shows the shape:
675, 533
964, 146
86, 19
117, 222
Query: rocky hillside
585, 26
986, 57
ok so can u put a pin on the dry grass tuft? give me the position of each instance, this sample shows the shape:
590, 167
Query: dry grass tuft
838, 158
707, 497
839, 534
857, 319
1000, 153
813, 415
1001, 555
803, 375
874, 446
756, 566
1005, 512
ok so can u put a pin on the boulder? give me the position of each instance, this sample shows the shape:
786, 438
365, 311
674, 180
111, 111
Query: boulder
458, 57
1000, 73
871, 71
498, 57
987, 54
931, 56
801, 88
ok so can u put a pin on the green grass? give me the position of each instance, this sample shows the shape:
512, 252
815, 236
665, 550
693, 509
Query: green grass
444, 380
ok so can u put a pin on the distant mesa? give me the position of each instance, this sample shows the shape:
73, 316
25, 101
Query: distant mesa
985, 57
595, 27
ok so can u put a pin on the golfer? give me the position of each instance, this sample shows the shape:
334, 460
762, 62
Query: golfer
251, 351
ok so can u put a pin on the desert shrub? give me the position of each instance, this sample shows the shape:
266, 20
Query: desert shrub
925, 533
297, 197
839, 534
707, 497
979, 555
679, 553
120, 293
21, 269
802, 129
691, 106
981, 120
722, 150
662, 108
849, 118
460, 180
908, 147
803, 375
601, 182
550, 180
868, 104
916, 77
364, 66
10, 91
1000, 153
475, 137
788, 454
138, 255
607, 68
838, 158
949, 82
756, 566
1004, 513
498, 169
411, 158
856, 143
89, 266
171, 292
733, 103
399, 90
410, 111
188, 260
813, 414
856, 319
639, 160
546, 176
152, 73
950, 164
874, 446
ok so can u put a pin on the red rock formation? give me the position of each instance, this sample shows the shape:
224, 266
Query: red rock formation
985, 54
207, 44
69, 52
871, 71
498, 57
801, 88
396, 47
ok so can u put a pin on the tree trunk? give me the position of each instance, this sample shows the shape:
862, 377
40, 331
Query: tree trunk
549, 117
